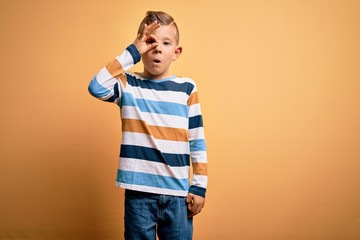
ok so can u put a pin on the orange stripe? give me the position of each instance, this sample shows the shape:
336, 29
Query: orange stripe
114, 67
193, 99
123, 79
165, 133
200, 168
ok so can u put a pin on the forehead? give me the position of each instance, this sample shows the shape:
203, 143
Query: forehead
166, 31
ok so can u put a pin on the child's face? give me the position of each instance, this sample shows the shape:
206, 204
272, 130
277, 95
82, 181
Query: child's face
157, 61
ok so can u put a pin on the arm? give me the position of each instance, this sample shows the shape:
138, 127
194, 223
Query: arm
107, 85
196, 196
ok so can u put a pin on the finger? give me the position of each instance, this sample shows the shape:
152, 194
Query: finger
153, 38
147, 28
152, 27
142, 37
190, 198
195, 207
144, 29
151, 42
198, 208
192, 207
192, 214
152, 46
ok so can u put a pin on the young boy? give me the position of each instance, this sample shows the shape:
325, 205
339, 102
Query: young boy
162, 130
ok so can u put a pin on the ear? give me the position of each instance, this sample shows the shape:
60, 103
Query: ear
178, 52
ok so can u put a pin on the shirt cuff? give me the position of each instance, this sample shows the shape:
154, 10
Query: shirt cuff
134, 53
197, 191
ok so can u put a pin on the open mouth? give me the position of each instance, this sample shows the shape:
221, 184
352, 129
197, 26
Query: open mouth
156, 61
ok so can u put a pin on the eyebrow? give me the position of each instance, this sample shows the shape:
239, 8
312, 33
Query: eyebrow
168, 39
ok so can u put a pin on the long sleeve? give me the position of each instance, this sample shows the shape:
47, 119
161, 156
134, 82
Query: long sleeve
162, 128
197, 142
107, 85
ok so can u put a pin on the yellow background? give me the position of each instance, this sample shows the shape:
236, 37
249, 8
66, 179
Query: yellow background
279, 83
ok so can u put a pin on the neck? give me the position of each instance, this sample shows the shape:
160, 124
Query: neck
156, 77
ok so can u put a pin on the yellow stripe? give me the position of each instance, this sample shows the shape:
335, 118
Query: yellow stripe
165, 133
200, 168
123, 79
114, 67
193, 99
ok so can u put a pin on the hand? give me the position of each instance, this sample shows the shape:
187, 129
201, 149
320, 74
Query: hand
195, 204
145, 41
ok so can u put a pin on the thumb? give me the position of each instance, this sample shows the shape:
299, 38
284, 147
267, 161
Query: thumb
189, 198
153, 40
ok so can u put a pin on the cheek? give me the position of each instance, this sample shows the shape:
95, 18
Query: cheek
144, 56
145, 59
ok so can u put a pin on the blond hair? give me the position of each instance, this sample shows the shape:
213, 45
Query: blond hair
161, 17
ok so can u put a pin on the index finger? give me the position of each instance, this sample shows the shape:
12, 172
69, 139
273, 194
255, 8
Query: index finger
151, 27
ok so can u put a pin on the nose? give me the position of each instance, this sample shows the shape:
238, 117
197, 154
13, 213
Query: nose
157, 49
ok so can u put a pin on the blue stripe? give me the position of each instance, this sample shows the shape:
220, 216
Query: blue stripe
128, 100
134, 53
169, 85
154, 155
195, 122
151, 180
197, 145
154, 106
116, 94
197, 190
96, 89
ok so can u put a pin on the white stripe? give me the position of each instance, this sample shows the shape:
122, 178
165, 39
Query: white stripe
198, 157
196, 133
200, 180
152, 189
156, 168
154, 119
105, 79
125, 60
165, 146
164, 96
185, 80
194, 110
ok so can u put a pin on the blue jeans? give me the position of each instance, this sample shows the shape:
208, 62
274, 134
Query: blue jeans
147, 213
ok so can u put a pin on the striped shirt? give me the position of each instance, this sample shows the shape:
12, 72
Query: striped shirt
162, 129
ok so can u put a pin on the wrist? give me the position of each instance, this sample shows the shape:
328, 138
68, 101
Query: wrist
137, 45
135, 53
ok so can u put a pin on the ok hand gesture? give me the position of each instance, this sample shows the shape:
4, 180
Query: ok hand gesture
145, 41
